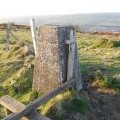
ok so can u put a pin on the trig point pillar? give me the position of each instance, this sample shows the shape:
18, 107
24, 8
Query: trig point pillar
53, 57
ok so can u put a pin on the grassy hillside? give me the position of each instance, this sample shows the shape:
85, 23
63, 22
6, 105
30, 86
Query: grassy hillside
16, 74
100, 58
16, 67
100, 66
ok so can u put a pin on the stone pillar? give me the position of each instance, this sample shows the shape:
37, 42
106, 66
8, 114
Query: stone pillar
51, 61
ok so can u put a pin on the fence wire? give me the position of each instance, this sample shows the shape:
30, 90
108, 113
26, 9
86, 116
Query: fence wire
17, 34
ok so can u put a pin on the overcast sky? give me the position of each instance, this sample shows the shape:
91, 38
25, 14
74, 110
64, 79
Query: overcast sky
10, 8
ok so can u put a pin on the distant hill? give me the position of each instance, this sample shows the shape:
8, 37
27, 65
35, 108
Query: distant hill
97, 28
98, 21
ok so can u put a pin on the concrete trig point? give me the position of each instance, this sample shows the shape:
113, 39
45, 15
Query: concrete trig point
56, 59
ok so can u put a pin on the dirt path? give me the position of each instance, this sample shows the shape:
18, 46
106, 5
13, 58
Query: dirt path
103, 106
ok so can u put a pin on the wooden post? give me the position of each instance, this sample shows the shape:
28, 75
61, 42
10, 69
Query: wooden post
33, 33
71, 55
28, 110
73, 62
13, 106
77, 73
8, 35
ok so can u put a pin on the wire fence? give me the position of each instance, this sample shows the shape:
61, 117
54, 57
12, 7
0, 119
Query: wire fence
17, 33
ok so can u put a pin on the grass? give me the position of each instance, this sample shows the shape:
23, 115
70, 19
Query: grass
97, 53
100, 52
107, 83
16, 75
76, 104
68, 102
16, 67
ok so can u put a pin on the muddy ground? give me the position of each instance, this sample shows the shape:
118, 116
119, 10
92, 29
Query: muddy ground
103, 106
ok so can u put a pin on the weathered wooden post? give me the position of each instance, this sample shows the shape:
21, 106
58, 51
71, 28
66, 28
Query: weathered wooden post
33, 33
73, 70
56, 58
9, 25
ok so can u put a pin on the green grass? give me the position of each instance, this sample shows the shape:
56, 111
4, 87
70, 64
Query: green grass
16, 76
69, 102
75, 104
109, 83
16, 73
16, 67
100, 53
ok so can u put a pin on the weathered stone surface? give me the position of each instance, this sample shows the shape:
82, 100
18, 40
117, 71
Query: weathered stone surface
52, 58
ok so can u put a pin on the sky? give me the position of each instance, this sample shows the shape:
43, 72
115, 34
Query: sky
13, 8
